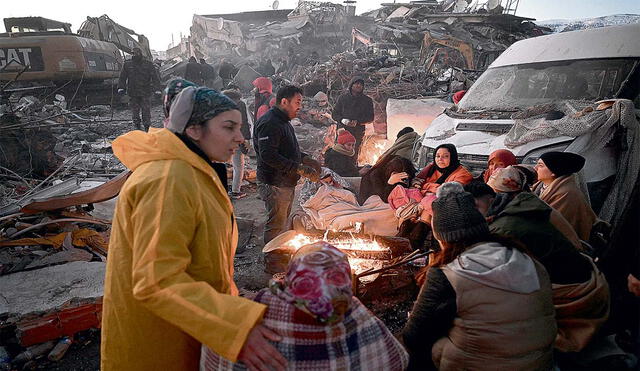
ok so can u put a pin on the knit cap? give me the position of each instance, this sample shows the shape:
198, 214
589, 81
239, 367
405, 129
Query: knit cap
563, 163
456, 219
345, 137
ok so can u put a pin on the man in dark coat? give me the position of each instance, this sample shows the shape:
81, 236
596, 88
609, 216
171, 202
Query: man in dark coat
139, 78
227, 71
280, 161
207, 73
193, 71
353, 110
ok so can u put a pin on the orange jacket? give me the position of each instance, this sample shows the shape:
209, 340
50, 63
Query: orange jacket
460, 175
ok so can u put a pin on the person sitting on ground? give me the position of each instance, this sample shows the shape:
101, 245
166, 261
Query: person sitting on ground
445, 168
323, 326
557, 186
341, 158
580, 291
485, 304
169, 277
396, 160
498, 159
243, 149
264, 98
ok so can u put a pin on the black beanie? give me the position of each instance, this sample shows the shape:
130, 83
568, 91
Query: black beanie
563, 163
456, 219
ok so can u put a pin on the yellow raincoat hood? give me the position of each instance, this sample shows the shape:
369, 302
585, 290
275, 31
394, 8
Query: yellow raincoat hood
169, 282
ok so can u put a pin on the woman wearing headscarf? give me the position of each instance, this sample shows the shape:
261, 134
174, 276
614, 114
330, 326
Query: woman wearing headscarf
557, 186
498, 159
580, 290
323, 326
169, 279
396, 160
485, 305
445, 168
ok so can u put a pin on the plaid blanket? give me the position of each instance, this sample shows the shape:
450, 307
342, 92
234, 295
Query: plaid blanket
360, 342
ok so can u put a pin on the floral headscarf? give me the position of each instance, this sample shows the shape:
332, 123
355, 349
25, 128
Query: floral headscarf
193, 106
318, 282
507, 180
172, 89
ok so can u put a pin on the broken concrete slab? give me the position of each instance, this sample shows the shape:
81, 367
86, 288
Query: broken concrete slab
47, 289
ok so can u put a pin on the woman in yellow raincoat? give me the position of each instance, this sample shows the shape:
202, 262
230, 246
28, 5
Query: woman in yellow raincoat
169, 282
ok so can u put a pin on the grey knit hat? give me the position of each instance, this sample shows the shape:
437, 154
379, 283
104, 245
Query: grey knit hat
456, 219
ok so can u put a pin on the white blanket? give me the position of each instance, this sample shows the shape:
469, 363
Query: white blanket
338, 209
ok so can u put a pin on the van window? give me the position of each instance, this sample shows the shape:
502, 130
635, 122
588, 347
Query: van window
517, 87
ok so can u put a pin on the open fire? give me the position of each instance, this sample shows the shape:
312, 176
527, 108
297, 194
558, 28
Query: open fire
371, 151
364, 254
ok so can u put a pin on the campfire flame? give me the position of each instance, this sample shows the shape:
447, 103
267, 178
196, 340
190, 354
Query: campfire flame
358, 265
371, 151
353, 243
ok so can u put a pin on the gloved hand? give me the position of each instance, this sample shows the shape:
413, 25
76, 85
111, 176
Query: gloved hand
308, 172
396, 178
417, 182
157, 92
121, 91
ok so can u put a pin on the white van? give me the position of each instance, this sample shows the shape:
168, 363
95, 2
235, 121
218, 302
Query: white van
588, 65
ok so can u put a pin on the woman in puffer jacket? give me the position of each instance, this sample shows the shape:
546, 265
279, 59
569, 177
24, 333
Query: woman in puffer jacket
486, 304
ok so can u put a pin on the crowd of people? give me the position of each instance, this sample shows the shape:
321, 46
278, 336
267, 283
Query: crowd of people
509, 285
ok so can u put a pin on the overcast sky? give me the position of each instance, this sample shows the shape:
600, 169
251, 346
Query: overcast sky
162, 19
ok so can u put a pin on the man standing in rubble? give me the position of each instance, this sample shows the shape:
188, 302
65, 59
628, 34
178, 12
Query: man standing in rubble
139, 78
207, 73
193, 71
354, 110
280, 161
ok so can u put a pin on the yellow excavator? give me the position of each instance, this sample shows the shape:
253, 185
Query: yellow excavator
40, 56
447, 50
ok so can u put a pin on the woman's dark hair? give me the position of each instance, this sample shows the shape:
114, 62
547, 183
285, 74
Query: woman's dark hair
287, 92
450, 251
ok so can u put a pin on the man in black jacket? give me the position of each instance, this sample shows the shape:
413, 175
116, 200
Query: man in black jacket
280, 162
139, 78
193, 71
207, 73
353, 110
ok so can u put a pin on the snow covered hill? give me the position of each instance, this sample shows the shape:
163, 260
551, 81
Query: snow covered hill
563, 25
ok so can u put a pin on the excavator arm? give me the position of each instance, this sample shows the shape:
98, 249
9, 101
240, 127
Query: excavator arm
105, 29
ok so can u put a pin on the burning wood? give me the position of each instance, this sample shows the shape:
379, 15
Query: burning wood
365, 253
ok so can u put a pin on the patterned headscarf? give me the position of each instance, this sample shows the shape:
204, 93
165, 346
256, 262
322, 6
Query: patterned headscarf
503, 155
172, 89
318, 282
194, 106
507, 180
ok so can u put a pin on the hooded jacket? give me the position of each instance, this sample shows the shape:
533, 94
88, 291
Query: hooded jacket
169, 281
499, 294
527, 219
354, 107
264, 98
